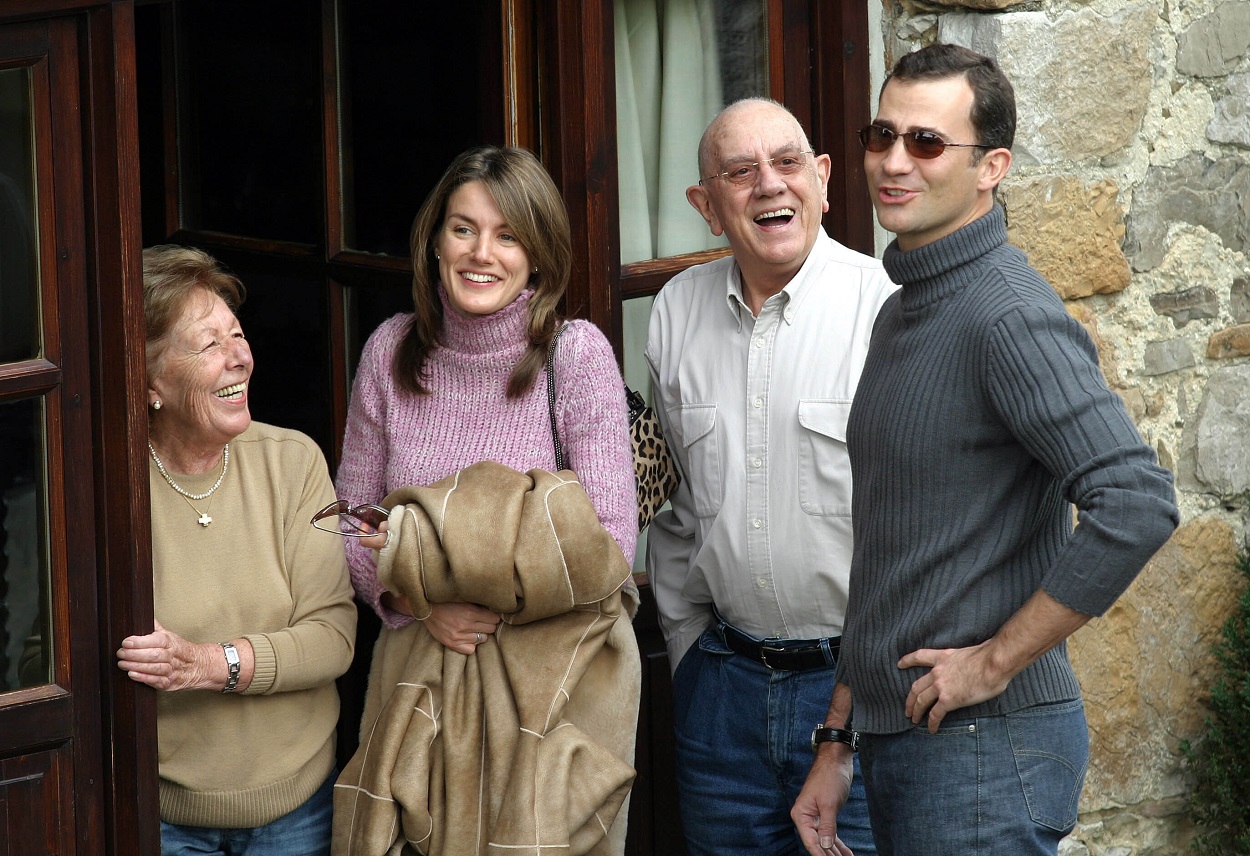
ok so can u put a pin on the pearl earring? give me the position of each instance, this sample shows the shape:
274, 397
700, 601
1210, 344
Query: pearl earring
156, 405
535, 270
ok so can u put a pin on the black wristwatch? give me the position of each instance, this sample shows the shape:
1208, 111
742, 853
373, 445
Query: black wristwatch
824, 734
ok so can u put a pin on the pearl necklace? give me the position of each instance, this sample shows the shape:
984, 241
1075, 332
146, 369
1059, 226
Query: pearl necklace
204, 519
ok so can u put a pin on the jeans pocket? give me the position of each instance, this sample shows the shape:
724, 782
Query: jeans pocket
1050, 744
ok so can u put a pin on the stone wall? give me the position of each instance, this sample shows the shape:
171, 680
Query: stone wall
1130, 191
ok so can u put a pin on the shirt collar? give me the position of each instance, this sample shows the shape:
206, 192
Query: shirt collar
793, 294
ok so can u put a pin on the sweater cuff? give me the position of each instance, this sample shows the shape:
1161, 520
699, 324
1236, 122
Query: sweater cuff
265, 671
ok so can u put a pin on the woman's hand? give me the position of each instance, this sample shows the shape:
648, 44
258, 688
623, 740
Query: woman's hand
379, 539
458, 625
166, 661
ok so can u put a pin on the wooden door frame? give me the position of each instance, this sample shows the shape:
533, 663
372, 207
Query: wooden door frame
127, 709
115, 796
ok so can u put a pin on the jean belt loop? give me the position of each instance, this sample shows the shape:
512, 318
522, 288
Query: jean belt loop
718, 623
830, 657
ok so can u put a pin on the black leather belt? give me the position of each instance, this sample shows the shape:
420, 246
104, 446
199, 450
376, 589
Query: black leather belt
792, 655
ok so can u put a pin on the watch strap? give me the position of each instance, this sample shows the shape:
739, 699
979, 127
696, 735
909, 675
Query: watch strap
232, 666
825, 734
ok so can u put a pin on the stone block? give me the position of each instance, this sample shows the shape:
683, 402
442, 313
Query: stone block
1211, 194
1239, 299
1080, 94
1214, 457
1230, 342
1165, 357
1212, 45
1143, 663
1231, 122
1188, 305
1071, 232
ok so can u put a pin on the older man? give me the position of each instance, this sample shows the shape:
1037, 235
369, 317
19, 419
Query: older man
983, 418
755, 359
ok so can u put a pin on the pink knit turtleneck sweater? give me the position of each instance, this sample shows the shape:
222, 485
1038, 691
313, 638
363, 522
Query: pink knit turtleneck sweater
394, 440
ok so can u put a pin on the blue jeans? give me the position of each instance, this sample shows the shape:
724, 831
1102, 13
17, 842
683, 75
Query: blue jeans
989, 785
744, 750
305, 831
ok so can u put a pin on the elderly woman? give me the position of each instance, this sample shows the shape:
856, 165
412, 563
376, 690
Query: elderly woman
254, 609
461, 380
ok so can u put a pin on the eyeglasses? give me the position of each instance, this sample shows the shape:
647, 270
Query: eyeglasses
361, 520
925, 145
745, 173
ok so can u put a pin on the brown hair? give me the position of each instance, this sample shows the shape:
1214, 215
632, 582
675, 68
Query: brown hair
172, 275
993, 98
535, 213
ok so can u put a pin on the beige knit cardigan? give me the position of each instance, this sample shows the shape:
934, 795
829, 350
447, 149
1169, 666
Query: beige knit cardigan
526, 746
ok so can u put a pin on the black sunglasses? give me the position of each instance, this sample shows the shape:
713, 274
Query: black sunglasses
925, 145
362, 520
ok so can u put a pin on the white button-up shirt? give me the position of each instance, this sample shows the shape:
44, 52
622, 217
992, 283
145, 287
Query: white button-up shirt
755, 411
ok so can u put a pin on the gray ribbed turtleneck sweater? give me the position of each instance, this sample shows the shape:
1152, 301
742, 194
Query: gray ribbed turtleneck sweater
980, 415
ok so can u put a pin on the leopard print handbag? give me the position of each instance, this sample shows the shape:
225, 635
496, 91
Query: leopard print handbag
655, 474
653, 464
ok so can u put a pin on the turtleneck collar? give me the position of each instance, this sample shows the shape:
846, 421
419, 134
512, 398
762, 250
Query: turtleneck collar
502, 331
937, 270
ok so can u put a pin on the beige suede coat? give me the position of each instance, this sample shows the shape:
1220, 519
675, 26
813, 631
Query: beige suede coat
526, 746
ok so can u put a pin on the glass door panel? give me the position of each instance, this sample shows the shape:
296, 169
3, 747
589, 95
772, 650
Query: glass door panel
252, 73
677, 63
19, 265
420, 82
25, 616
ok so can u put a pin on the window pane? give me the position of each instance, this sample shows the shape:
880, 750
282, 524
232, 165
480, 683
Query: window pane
249, 152
287, 323
367, 307
25, 616
677, 63
19, 265
423, 83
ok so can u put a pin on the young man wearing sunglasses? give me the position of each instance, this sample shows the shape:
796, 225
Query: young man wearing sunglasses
755, 358
982, 417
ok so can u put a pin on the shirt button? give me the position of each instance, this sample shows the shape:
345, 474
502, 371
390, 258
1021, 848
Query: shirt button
759, 401
757, 523
757, 463
762, 583
759, 341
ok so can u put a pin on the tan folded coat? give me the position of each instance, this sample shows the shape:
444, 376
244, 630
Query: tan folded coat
526, 746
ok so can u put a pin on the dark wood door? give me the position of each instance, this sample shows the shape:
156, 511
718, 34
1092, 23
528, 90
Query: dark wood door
57, 696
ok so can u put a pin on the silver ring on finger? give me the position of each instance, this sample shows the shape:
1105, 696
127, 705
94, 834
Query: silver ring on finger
480, 638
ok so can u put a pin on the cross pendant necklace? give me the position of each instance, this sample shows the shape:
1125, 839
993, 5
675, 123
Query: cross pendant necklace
203, 518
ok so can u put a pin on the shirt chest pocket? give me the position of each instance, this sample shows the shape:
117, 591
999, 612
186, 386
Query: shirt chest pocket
697, 424
824, 475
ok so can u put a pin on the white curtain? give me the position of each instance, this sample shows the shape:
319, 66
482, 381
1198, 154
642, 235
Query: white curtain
668, 87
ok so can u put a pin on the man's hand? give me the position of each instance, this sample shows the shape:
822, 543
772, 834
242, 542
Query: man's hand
957, 677
815, 812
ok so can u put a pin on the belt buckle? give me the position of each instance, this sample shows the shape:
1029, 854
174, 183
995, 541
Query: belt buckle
765, 650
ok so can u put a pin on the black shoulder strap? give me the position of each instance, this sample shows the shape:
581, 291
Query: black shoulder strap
551, 398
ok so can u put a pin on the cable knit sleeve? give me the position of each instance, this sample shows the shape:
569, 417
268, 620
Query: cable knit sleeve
1046, 383
594, 428
362, 471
